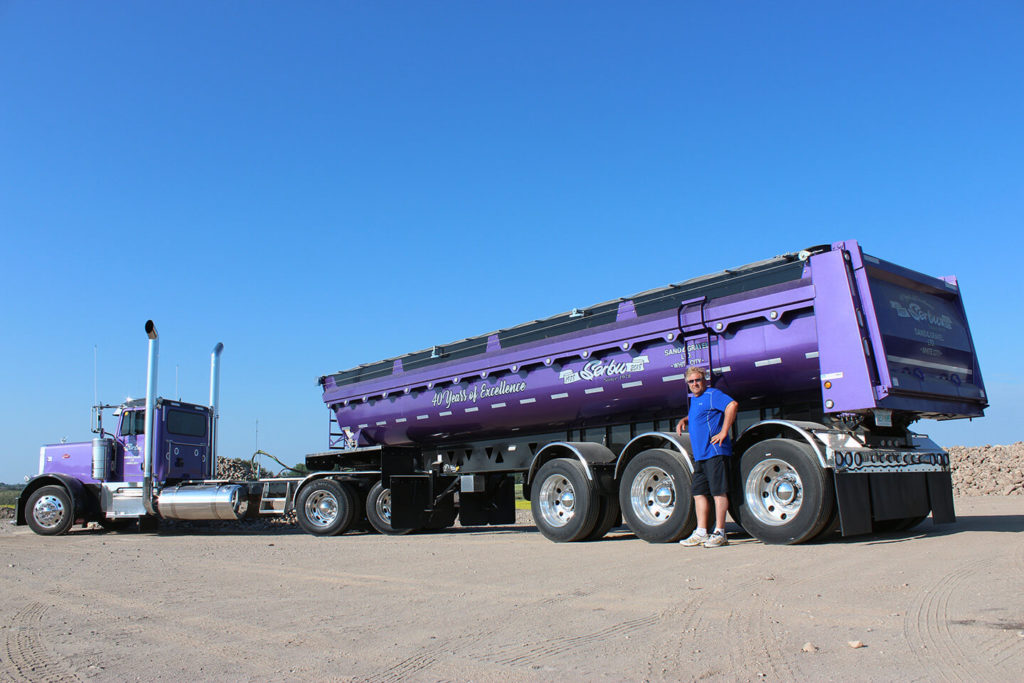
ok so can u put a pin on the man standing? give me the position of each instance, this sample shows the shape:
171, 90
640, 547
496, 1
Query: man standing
710, 418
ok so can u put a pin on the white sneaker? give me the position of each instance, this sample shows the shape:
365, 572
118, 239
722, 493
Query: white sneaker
715, 540
694, 539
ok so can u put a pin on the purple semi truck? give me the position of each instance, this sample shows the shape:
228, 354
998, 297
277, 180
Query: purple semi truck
832, 354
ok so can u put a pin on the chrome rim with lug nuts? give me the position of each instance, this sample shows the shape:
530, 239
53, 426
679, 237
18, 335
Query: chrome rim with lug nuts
557, 501
383, 505
49, 511
652, 496
321, 508
774, 492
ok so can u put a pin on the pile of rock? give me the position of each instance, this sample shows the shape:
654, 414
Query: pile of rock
240, 470
988, 470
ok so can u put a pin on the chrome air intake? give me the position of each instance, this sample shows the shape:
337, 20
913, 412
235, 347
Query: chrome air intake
226, 501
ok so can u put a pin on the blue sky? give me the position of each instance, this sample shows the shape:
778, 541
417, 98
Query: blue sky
319, 185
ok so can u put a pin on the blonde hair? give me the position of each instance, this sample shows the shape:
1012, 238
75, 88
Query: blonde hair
694, 370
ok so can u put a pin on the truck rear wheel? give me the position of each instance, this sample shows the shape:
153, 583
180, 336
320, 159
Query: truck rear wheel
609, 515
326, 507
656, 496
786, 496
378, 510
564, 502
50, 511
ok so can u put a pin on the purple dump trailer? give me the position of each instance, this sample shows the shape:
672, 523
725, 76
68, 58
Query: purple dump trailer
831, 353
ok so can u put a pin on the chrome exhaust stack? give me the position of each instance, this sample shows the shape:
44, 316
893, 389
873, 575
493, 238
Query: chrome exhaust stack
147, 458
214, 406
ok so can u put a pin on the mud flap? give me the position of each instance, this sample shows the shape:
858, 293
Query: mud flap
411, 498
495, 505
900, 495
853, 495
940, 495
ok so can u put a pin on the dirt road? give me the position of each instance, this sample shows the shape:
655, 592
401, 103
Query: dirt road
930, 605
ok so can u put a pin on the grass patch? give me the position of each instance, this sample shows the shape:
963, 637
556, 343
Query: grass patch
522, 504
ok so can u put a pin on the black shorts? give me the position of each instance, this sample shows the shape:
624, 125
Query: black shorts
711, 476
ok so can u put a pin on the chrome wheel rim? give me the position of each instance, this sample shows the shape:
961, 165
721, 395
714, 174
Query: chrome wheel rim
774, 492
383, 505
321, 508
49, 512
557, 501
652, 495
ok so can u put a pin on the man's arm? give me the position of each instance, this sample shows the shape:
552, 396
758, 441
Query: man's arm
727, 420
682, 424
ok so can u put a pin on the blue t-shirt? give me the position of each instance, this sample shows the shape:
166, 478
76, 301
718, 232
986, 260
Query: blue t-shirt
706, 414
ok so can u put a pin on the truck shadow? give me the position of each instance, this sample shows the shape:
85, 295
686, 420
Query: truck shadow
963, 524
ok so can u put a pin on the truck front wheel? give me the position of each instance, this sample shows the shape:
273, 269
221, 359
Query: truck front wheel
564, 502
326, 507
786, 496
656, 495
50, 511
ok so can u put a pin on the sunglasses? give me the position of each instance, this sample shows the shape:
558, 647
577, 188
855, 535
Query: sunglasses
695, 381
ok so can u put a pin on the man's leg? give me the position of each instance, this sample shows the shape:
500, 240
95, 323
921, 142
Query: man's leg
702, 504
721, 507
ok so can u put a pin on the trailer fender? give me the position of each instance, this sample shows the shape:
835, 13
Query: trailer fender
648, 440
79, 496
585, 452
788, 429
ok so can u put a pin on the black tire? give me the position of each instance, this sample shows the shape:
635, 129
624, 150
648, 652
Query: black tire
911, 522
378, 510
656, 496
608, 516
888, 526
50, 511
564, 502
786, 496
326, 507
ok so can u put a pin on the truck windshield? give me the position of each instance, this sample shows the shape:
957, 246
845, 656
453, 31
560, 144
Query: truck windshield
927, 344
186, 424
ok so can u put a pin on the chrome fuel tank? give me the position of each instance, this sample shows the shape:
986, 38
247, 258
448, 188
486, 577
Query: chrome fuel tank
224, 501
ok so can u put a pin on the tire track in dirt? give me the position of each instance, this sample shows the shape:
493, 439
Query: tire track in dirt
941, 654
27, 659
428, 656
536, 652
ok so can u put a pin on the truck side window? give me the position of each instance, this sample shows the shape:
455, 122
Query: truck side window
133, 423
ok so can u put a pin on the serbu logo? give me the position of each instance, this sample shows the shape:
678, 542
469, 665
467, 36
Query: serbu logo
604, 368
913, 308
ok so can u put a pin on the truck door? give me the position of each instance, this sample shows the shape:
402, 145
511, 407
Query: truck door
131, 432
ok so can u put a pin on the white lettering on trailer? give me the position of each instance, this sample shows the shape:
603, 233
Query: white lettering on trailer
524, 401
927, 364
498, 405
630, 385
445, 413
558, 396
472, 410
811, 354
673, 378
422, 417
594, 390
767, 361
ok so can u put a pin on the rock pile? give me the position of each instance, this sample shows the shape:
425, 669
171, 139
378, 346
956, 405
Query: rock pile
238, 469
988, 470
